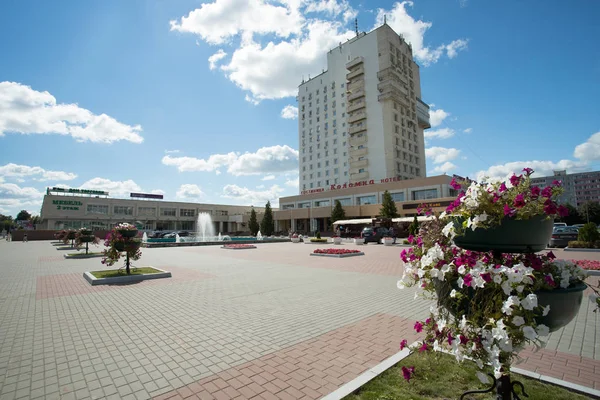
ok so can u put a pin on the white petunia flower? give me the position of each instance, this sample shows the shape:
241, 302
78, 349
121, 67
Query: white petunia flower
529, 302
529, 332
507, 306
518, 320
460, 281
453, 293
546, 310
461, 270
449, 231
542, 330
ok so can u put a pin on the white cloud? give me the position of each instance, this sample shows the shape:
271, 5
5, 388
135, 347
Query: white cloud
436, 117
541, 168
13, 191
441, 155
445, 167
590, 150
260, 187
38, 173
289, 112
252, 197
27, 111
171, 151
215, 58
295, 182
414, 31
268, 178
189, 191
443, 133
468, 130
157, 191
274, 159
115, 188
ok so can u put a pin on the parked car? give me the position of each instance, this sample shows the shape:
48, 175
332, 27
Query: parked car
558, 224
184, 233
373, 234
561, 236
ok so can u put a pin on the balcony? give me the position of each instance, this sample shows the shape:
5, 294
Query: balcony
356, 94
392, 84
358, 152
361, 176
359, 164
355, 72
354, 62
357, 116
357, 105
357, 141
356, 129
423, 114
357, 84
394, 95
391, 73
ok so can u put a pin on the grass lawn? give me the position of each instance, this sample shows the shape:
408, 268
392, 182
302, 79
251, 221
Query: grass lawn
438, 376
112, 273
75, 255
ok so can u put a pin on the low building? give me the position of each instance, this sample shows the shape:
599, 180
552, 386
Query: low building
580, 188
311, 210
76, 208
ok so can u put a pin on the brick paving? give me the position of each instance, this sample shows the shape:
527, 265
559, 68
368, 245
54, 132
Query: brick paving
224, 325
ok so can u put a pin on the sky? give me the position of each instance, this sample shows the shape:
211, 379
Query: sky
196, 100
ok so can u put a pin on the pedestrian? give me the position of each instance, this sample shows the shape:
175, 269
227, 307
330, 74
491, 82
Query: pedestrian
24, 237
392, 233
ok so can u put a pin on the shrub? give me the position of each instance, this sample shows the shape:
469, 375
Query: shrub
580, 244
318, 235
413, 229
405, 241
318, 240
588, 233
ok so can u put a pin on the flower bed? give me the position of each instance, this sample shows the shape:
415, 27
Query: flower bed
587, 264
339, 253
238, 246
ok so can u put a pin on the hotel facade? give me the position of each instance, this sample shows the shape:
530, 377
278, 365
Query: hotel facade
580, 188
363, 118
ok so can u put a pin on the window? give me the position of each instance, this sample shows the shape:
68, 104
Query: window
123, 210
397, 197
304, 205
424, 194
147, 211
322, 203
345, 202
287, 206
366, 200
186, 212
168, 212
97, 209
361, 170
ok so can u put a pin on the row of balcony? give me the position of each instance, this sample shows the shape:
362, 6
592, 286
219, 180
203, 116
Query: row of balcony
360, 176
356, 129
358, 164
356, 94
393, 94
357, 116
358, 152
355, 105
355, 72
357, 141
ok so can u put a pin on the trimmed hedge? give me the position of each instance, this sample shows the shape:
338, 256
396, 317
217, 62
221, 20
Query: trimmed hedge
579, 244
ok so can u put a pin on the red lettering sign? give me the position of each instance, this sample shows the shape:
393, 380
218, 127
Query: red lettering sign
371, 182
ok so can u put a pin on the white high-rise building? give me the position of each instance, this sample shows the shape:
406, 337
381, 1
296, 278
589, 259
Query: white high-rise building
362, 119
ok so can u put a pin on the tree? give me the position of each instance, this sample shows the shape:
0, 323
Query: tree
23, 216
413, 228
388, 207
590, 212
267, 225
36, 219
338, 213
253, 223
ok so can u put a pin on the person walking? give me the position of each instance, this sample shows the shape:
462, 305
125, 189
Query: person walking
24, 237
392, 233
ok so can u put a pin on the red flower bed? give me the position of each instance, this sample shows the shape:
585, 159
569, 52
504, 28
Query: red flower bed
587, 264
335, 251
239, 246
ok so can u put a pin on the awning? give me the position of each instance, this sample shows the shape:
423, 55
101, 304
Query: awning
420, 218
353, 221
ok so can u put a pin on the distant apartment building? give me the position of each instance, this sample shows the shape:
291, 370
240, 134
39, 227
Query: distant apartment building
580, 187
363, 119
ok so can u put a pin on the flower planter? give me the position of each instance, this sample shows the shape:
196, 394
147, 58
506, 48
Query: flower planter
512, 236
564, 305
387, 241
130, 246
295, 240
85, 232
128, 233
337, 240
359, 241
86, 238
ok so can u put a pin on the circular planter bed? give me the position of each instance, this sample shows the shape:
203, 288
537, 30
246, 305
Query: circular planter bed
295, 240
119, 276
337, 253
83, 255
387, 241
238, 246
337, 240
359, 241
128, 233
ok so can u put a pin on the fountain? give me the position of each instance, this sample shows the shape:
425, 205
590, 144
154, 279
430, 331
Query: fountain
144, 238
205, 229
177, 239
220, 238
259, 236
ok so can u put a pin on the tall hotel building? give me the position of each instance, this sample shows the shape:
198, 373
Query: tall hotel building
362, 119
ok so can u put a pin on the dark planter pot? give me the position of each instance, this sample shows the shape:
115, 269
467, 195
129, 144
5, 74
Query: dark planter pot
70, 235
512, 236
129, 246
86, 239
564, 305
443, 289
128, 233
85, 232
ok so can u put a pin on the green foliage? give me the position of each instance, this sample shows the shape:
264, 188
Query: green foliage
253, 223
590, 212
576, 244
413, 229
388, 207
589, 233
23, 215
113, 273
318, 240
574, 216
267, 225
338, 213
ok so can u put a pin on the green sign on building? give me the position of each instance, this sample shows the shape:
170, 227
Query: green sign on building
76, 191
72, 205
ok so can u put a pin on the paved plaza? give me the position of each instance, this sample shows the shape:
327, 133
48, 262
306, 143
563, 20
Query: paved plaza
267, 323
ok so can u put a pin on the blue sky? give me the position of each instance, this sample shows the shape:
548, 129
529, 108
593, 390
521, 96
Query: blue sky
185, 98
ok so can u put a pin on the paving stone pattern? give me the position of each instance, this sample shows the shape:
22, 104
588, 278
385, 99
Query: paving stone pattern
271, 310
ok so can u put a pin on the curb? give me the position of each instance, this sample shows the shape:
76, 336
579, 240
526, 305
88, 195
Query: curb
338, 255
592, 272
389, 362
582, 250
83, 256
125, 279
